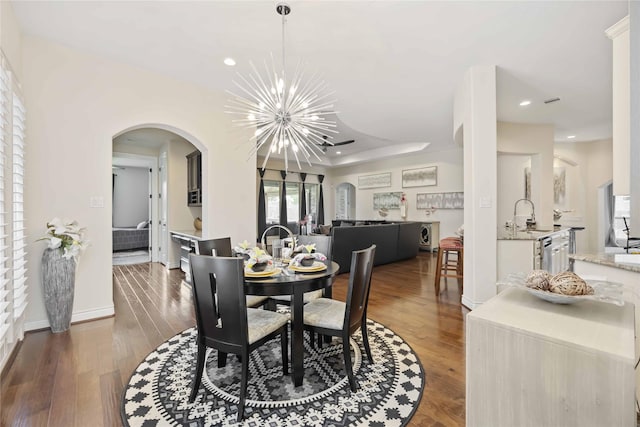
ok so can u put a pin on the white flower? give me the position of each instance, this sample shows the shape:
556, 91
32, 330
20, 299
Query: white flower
55, 242
67, 235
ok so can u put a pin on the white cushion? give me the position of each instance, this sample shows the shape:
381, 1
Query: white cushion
142, 225
306, 298
254, 300
262, 322
325, 313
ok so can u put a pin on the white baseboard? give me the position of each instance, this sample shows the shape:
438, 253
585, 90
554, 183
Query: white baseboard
78, 316
471, 305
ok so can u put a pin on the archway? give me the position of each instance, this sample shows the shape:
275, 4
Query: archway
164, 150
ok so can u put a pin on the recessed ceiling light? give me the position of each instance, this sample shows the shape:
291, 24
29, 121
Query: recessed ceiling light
571, 136
230, 62
338, 152
525, 103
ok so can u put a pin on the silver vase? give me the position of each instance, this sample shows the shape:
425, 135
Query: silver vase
58, 282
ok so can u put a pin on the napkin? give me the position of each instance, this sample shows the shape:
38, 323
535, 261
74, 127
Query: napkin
317, 255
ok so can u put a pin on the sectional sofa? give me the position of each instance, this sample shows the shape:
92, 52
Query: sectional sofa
394, 241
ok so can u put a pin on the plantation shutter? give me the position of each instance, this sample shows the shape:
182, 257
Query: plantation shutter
13, 270
19, 231
5, 283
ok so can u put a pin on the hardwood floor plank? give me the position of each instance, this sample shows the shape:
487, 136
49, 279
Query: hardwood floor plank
111, 389
77, 378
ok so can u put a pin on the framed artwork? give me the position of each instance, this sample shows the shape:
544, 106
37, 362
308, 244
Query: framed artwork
453, 200
422, 177
387, 200
374, 181
527, 183
559, 185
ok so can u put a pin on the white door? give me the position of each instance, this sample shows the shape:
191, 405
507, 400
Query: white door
164, 232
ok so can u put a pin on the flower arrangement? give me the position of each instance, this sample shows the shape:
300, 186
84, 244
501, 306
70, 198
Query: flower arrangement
67, 235
310, 248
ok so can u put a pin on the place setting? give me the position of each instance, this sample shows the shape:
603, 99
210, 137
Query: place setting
299, 259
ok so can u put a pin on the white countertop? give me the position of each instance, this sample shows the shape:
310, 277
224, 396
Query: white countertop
607, 260
504, 234
190, 234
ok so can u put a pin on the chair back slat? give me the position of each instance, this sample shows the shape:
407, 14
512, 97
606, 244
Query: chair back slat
323, 243
222, 247
220, 304
359, 286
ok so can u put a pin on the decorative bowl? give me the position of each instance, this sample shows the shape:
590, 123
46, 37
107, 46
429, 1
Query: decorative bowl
307, 261
259, 266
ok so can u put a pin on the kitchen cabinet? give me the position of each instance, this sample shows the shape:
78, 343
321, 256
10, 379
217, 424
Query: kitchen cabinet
194, 179
524, 251
534, 363
185, 243
516, 256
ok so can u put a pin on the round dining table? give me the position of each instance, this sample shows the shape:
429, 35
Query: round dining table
294, 283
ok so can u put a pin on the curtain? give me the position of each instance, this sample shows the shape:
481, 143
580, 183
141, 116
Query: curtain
303, 197
262, 206
283, 200
609, 204
320, 220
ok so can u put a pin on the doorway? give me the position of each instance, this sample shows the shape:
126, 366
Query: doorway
345, 201
134, 179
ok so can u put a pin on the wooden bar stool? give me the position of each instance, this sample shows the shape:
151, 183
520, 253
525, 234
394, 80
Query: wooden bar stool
446, 263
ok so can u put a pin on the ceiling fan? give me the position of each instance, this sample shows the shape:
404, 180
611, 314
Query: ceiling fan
326, 144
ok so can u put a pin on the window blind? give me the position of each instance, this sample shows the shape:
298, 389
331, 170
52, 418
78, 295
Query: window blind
13, 263
19, 231
5, 294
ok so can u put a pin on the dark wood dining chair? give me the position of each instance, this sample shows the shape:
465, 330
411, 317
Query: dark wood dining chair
224, 322
323, 246
329, 317
222, 247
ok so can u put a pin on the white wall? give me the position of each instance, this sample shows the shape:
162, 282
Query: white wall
76, 104
593, 169
536, 140
450, 179
130, 196
511, 182
11, 38
180, 215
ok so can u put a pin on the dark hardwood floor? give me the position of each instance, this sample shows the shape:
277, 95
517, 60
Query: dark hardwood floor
77, 378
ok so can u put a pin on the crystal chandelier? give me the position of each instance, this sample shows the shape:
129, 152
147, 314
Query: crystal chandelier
290, 115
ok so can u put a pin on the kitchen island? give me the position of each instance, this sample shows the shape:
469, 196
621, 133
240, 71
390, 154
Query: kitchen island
523, 251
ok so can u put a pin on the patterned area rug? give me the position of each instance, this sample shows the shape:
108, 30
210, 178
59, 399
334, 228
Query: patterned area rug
389, 389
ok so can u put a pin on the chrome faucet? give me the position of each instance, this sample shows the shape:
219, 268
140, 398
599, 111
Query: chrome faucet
293, 241
531, 222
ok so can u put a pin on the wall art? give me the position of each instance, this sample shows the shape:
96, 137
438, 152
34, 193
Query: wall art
422, 177
454, 200
387, 200
374, 181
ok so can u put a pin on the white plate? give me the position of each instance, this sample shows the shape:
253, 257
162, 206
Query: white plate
557, 298
265, 273
316, 266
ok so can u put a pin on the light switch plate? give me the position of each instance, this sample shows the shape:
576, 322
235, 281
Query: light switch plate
485, 202
96, 202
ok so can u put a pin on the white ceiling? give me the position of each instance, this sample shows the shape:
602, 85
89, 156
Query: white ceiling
394, 65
